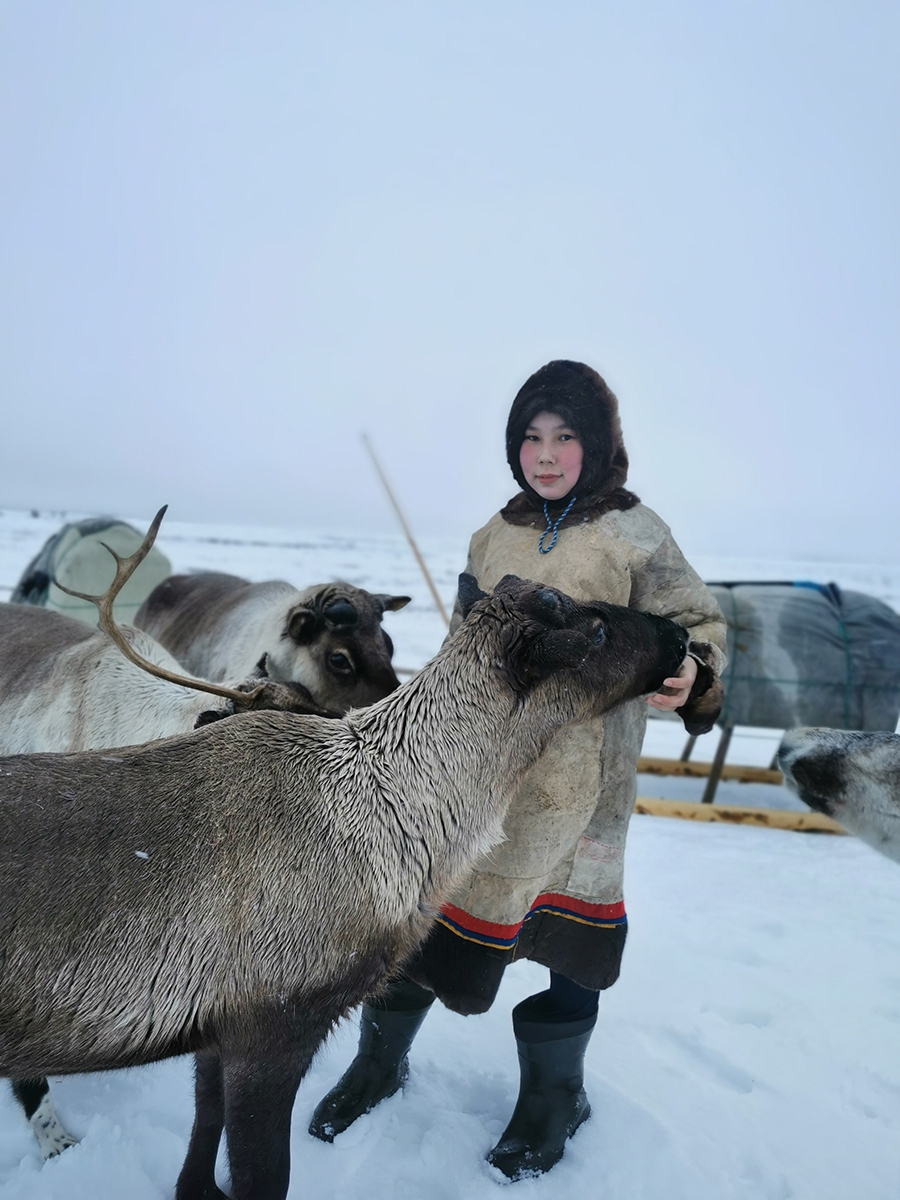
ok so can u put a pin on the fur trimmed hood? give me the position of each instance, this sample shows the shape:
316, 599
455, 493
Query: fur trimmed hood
581, 397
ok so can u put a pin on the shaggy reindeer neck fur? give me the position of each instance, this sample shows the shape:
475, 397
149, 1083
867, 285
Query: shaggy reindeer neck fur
442, 795
451, 796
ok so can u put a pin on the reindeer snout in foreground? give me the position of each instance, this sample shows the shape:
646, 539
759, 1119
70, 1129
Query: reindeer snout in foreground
851, 776
235, 892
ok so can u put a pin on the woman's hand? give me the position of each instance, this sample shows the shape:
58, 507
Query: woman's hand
677, 689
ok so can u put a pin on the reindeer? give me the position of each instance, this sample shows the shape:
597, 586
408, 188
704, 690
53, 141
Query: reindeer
176, 917
64, 687
327, 637
850, 776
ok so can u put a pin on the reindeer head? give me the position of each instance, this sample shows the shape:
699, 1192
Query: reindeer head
339, 628
594, 654
288, 697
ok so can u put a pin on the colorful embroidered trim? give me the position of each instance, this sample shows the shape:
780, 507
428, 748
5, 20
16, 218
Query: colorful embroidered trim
475, 930
606, 915
503, 937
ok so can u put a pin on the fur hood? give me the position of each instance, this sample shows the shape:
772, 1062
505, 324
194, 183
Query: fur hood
581, 397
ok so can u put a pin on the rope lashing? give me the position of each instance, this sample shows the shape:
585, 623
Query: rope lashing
553, 526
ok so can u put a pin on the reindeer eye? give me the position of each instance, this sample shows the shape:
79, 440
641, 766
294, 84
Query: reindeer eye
598, 635
340, 662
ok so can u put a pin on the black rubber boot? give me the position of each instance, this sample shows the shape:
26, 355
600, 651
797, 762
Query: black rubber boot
380, 1068
552, 1102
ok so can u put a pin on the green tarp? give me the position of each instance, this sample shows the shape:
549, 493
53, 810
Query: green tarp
77, 558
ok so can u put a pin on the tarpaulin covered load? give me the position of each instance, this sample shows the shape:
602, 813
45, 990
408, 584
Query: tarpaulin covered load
809, 654
77, 558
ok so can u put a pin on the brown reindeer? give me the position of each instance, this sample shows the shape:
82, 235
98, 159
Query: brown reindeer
327, 637
235, 892
65, 687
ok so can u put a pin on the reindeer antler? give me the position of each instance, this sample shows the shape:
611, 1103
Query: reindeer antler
125, 568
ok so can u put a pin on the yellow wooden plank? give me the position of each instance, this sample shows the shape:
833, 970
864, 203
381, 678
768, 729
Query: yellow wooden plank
700, 770
734, 814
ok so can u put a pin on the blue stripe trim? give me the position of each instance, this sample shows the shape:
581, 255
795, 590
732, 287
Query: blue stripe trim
559, 911
485, 939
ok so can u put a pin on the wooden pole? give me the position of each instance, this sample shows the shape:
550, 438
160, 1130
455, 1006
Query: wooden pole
702, 770
733, 814
688, 747
435, 595
717, 764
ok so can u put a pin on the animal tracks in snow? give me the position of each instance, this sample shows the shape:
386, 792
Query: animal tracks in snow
688, 1053
872, 1095
740, 1016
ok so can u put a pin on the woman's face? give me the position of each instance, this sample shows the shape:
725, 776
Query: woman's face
551, 456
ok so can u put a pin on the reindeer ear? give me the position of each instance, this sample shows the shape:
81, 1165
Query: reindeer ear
392, 603
469, 593
261, 671
302, 625
529, 660
511, 585
547, 605
539, 602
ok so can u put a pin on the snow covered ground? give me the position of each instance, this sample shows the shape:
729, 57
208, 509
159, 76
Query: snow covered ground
750, 1050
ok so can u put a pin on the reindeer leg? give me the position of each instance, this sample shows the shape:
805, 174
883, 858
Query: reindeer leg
34, 1096
258, 1107
197, 1180
260, 1085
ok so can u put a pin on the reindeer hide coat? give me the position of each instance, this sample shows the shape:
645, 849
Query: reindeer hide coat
553, 891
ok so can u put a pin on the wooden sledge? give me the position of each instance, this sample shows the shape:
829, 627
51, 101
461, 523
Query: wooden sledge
735, 814
712, 772
702, 770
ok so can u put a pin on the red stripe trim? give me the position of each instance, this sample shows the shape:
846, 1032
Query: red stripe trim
492, 929
475, 925
583, 908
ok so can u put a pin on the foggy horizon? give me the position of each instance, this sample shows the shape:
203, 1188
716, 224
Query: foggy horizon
237, 237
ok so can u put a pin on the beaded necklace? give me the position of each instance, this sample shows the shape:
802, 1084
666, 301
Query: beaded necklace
553, 526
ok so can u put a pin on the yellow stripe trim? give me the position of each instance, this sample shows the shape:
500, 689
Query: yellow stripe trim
568, 916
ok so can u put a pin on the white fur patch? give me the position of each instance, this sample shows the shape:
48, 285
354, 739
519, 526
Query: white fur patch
52, 1139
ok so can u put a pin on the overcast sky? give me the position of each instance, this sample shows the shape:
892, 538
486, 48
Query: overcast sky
235, 236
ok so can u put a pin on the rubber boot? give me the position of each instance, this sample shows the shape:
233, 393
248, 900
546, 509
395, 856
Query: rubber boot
552, 1102
379, 1070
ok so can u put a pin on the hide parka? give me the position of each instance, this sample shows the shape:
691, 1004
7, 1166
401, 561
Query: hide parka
553, 890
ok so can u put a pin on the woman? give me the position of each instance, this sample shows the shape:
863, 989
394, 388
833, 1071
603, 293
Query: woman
552, 892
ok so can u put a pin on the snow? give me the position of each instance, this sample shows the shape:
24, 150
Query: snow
750, 1050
